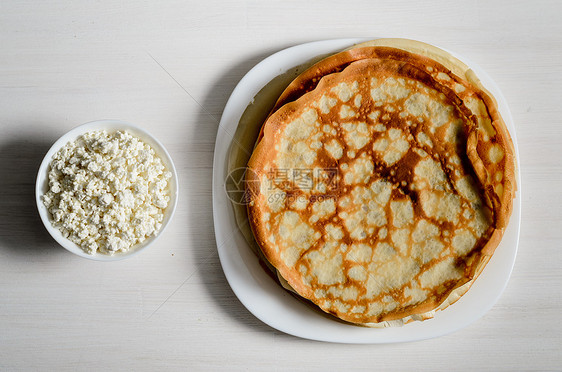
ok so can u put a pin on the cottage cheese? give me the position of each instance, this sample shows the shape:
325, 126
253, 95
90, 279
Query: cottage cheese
107, 191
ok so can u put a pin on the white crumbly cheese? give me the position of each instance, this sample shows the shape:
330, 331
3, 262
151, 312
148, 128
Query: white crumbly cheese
107, 191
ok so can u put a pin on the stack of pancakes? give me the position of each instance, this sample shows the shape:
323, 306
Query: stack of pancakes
382, 182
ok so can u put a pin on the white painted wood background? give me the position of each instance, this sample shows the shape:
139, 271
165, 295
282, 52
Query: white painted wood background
63, 63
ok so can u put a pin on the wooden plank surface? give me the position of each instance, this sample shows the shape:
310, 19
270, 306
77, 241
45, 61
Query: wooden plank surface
170, 66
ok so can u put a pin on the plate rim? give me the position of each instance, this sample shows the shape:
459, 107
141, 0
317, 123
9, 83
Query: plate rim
238, 273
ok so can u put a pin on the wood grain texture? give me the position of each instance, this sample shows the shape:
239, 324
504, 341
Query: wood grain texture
170, 66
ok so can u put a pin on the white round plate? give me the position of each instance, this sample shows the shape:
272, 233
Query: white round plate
273, 305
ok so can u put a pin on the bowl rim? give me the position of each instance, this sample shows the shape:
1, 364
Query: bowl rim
72, 135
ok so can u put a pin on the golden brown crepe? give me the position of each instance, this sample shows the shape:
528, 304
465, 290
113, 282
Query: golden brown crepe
382, 182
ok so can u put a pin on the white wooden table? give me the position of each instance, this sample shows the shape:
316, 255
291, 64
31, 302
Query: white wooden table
170, 66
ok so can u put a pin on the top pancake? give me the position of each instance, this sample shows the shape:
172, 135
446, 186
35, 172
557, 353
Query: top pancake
384, 183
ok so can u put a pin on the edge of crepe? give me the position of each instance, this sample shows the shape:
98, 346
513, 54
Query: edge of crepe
462, 70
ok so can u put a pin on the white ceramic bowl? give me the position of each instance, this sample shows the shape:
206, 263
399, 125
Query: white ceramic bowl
42, 186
